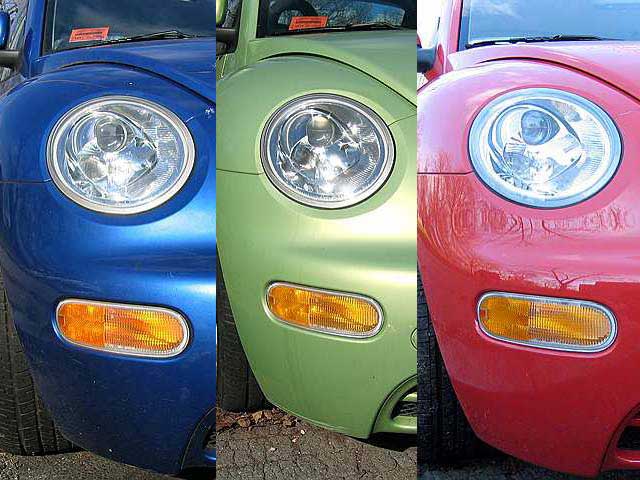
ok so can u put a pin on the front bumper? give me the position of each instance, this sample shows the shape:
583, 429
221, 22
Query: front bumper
343, 384
564, 411
151, 413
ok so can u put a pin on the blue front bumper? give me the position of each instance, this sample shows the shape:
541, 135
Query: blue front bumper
151, 413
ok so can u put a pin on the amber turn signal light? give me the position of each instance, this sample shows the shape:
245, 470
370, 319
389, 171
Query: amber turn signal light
544, 322
125, 329
324, 311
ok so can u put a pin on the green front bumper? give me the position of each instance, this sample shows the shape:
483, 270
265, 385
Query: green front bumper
347, 385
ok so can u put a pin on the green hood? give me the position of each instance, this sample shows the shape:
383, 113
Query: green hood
383, 55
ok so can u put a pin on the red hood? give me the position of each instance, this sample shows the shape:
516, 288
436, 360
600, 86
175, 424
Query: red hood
617, 63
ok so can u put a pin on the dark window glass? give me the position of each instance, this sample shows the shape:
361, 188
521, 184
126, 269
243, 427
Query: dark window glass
280, 17
17, 10
82, 23
494, 20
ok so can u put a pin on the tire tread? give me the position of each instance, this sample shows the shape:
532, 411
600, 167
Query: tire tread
444, 434
26, 428
237, 387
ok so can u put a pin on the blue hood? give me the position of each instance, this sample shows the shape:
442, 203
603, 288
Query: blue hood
190, 63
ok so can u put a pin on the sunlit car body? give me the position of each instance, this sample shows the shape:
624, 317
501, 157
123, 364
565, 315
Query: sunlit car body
569, 411
351, 385
150, 412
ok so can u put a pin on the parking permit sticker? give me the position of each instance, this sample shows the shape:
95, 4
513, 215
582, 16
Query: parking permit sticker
88, 34
300, 23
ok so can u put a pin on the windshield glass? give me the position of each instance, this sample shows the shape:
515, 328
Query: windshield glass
81, 23
290, 17
493, 20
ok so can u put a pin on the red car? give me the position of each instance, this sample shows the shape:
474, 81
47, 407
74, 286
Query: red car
529, 233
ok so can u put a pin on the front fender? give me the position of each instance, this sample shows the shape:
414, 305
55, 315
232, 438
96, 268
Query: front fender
280, 80
29, 113
455, 99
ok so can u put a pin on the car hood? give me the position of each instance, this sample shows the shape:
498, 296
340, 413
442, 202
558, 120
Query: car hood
617, 63
190, 63
382, 55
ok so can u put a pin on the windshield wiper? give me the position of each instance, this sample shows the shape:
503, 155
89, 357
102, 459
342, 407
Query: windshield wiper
345, 28
372, 26
166, 35
551, 38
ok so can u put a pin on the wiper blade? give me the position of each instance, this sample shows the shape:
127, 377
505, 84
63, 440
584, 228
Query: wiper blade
345, 28
372, 26
551, 38
166, 35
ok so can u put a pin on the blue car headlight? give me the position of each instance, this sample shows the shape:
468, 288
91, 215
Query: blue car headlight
120, 155
544, 148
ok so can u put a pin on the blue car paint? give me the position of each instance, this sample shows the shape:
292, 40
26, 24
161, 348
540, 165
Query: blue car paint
151, 413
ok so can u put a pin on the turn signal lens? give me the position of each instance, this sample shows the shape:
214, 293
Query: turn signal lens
552, 323
125, 329
329, 312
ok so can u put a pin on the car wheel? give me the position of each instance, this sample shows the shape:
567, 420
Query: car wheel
26, 428
444, 432
237, 388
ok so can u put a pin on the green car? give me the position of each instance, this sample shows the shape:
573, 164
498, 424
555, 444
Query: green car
316, 197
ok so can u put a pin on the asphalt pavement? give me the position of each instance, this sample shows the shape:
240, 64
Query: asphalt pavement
295, 450
501, 467
286, 448
71, 466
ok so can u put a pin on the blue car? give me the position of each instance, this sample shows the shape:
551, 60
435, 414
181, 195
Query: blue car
107, 230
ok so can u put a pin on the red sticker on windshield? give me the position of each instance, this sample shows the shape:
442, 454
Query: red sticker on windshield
88, 34
300, 23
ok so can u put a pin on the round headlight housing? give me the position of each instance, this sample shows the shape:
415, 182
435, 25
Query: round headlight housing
327, 151
544, 148
120, 155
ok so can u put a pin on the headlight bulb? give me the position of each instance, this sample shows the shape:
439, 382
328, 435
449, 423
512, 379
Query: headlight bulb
320, 131
111, 134
538, 127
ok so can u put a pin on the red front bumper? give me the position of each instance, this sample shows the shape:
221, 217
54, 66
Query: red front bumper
564, 411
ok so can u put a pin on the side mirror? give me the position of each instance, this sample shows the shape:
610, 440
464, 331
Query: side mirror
426, 59
5, 27
221, 11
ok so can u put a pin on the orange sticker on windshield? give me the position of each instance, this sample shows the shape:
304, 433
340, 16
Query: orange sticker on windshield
88, 34
300, 23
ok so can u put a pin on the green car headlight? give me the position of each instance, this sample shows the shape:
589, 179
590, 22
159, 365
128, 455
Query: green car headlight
327, 151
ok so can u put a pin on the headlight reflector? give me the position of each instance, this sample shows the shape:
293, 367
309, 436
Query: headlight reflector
544, 148
327, 151
120, 155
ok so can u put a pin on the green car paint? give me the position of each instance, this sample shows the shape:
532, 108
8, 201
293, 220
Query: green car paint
348, 385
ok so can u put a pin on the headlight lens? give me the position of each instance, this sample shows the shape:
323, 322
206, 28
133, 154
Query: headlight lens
120, 155
544, 148
327, 151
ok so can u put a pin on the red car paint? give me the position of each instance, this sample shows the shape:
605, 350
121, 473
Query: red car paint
564, 411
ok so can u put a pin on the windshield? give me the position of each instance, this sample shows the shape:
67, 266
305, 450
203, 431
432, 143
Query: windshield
494, 20
291, 17
82, 23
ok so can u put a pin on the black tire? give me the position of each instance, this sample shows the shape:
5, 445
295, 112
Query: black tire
237, 388
26, 428
444, 434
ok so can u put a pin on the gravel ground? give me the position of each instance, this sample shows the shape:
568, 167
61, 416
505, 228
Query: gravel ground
277, 450
76, 466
